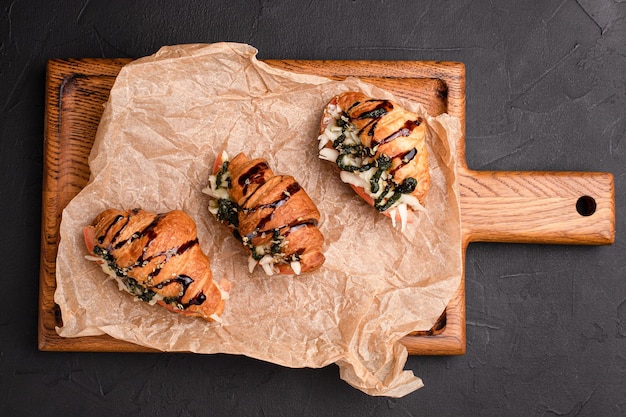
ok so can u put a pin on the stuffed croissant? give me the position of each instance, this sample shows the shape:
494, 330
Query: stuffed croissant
380, 150
270, 214
157, 258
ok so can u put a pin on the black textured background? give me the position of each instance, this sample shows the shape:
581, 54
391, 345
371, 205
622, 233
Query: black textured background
546, 90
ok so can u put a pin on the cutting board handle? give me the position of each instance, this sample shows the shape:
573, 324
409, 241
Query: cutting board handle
537, 207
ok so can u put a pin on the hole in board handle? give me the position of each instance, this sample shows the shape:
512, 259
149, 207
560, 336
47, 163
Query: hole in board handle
586, 205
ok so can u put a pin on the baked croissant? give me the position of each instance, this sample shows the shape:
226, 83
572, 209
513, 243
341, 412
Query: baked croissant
270, 214
380, 150
157, 258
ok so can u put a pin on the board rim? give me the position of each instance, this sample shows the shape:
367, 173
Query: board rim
59, 75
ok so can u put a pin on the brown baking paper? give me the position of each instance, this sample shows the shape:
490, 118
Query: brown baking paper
169, 115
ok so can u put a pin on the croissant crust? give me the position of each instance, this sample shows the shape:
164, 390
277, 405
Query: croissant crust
272, 215
157, 258
363, 134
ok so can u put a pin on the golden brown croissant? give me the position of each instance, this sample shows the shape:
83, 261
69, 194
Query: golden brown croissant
271, 214
380, 150
157, 258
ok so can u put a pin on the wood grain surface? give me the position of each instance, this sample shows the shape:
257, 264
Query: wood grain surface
524, 207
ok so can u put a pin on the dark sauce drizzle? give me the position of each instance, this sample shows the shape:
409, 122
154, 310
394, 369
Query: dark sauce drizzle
405, 158
231, 210
392, 191
372, 125
146, 292
284, 197
404, 131
278, 233
119, 217
254, 175
148, 230
185, 281
383, 107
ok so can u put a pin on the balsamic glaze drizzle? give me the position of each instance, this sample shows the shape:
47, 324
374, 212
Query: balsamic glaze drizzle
284, 197
405, 158
185, 281
404, 131
254, 175
383, 107
375, 115
147, 290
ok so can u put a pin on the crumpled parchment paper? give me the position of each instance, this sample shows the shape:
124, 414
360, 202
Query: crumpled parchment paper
169, 115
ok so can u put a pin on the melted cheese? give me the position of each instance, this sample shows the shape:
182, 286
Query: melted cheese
359, 178
268, 262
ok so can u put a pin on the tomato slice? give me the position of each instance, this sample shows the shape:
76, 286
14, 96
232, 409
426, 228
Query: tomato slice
285, 269
217, 164
369, 200
364, 195
90, 238
175, 310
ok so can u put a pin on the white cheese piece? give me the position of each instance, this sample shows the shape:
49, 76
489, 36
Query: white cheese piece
295, 265
323, 140
329, 154
354, 179
411, 201
251, 263
267, 262
392, 215
351, 137
402, 209
216, 318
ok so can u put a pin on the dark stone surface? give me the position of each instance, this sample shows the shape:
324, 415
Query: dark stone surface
546, 90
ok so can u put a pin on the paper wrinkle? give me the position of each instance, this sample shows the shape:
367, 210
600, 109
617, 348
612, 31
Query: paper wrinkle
169, 115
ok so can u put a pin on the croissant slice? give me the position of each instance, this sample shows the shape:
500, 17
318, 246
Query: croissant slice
379, 149
271, 215
157, 258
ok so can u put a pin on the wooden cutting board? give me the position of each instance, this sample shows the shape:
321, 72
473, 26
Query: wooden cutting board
525, 207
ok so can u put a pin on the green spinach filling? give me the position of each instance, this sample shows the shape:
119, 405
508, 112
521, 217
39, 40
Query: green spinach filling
358, 158
131, 284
